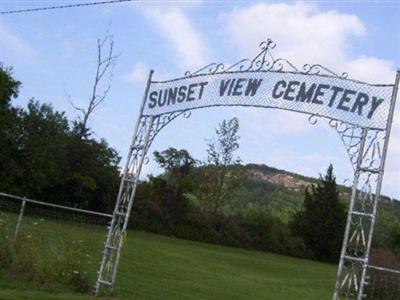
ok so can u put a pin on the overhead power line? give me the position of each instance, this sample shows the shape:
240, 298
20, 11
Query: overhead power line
27, 10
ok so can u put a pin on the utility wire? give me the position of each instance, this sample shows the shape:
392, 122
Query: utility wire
62, 6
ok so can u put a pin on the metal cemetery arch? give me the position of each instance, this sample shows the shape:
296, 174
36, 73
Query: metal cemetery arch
361, 113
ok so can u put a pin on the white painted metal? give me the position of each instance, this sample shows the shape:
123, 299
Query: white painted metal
21, 213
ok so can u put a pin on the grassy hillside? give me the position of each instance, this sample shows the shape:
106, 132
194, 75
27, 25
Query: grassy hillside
157, 267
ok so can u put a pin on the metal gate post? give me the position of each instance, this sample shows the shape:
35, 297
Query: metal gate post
350, 215
21, 214
357, 241
379, 184
117, 229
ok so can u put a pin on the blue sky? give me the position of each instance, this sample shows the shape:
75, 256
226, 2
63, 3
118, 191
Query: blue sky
53, 53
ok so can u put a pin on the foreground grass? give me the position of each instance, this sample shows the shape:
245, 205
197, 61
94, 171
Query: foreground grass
158, 267
51, 251
16, 289
178, 269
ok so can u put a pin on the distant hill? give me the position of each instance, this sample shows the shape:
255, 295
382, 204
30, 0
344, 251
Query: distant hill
283, 191
290, 180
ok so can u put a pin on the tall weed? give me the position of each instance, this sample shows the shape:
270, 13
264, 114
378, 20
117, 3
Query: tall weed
36, 257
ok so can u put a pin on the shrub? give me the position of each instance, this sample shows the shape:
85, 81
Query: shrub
38, 259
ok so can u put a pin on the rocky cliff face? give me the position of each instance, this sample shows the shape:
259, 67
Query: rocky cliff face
286, 180
295, 182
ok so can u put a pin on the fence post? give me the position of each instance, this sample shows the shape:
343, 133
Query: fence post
21, 213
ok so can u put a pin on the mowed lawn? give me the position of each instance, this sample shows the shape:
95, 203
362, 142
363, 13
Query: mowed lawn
159, 267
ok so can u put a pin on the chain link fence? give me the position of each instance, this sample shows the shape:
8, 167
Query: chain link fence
51, 243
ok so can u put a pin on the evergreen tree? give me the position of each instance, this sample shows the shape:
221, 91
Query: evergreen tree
322, 220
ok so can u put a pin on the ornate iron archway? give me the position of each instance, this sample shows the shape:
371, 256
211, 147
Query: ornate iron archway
364, 128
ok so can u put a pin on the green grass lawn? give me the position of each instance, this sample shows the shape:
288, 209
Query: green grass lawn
158, 267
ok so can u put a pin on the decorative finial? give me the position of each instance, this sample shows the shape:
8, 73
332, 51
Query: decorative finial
267, 45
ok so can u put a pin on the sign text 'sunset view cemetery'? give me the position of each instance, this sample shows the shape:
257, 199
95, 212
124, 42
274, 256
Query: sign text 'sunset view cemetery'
364, 105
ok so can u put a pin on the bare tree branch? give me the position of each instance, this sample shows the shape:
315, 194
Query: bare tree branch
104, 65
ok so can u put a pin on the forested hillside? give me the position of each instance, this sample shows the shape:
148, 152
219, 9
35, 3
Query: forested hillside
283, 191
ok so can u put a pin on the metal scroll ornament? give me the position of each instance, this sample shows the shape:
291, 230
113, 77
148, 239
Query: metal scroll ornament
263, 61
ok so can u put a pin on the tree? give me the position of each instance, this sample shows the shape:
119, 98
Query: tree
9, 131
322, 220
170, 188
57, 166
41, 157
42, 150
395, 238
221, 174
9, 88
220, 153
91, 174
175, 162
106, 61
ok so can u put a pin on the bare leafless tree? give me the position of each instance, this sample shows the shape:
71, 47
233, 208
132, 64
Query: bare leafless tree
106, 60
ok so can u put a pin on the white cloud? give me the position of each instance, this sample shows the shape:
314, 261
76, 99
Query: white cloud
138, 74
177, 28
371, 69
12, 44
304, 34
